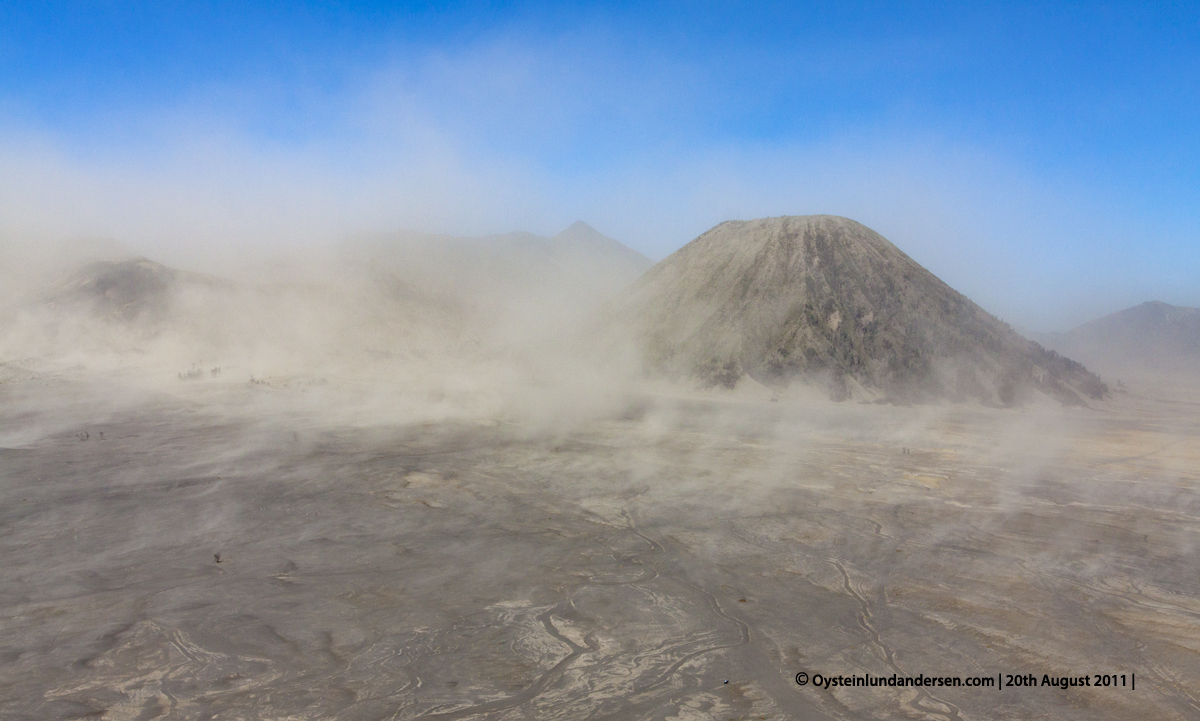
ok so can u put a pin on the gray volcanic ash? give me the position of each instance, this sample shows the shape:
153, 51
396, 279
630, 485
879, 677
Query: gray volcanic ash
825, 298
399, 480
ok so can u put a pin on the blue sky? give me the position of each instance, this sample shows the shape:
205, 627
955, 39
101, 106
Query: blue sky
1044, 159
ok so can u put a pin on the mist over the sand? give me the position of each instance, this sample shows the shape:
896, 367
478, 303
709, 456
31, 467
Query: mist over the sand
409, 476
512, 361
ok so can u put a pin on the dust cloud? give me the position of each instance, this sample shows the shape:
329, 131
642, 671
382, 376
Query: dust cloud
410, 476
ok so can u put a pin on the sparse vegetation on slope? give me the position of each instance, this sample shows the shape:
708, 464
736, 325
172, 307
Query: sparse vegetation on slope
823, 298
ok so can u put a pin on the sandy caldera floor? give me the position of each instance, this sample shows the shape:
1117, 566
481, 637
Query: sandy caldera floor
617, 568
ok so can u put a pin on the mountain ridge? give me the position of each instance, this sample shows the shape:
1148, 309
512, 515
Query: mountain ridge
1150, 336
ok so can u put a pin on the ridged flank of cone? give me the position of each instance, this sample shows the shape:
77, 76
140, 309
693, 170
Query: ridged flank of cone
825, 298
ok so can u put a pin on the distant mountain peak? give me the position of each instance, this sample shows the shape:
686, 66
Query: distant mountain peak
580, 231
579, 227
581, 234
1150, 311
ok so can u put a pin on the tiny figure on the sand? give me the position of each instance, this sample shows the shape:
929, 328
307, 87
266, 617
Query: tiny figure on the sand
217, 557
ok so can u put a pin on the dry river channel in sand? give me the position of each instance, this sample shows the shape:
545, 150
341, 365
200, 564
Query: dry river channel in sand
619, 568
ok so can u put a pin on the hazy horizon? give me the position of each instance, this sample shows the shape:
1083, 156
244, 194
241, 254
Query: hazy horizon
373, 438
1036, 159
